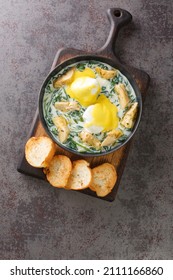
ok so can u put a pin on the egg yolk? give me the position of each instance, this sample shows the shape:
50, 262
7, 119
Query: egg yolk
104, 114
84, 89
87, 72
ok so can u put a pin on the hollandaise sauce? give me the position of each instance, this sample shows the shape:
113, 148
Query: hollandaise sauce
90, 101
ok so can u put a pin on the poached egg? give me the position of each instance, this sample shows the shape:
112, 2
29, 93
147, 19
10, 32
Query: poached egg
84, 88
101, 116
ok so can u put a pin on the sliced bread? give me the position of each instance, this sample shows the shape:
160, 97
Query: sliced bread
80, 177
58, 171
104, 178
39, 151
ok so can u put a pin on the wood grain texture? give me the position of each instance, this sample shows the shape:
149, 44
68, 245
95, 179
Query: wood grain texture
117, 158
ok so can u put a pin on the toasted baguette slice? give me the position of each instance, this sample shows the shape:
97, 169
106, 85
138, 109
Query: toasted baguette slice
104, 178
58, 171
80, 177
39, 151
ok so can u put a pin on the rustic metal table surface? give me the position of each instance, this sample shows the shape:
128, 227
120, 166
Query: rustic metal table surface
38, 222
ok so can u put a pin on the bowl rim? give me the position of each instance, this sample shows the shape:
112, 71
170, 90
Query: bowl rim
116, 64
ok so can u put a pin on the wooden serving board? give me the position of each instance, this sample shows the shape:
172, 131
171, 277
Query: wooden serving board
117, 158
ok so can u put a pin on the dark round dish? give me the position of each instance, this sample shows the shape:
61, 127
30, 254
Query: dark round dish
118, 18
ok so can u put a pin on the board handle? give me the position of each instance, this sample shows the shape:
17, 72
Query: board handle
118, 18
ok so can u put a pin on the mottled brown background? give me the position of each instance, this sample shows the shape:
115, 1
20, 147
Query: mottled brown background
39, 222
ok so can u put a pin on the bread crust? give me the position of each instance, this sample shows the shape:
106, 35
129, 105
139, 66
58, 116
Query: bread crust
62, 173
39, 151
104, 178
58, 171
81, 176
